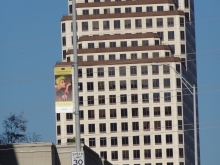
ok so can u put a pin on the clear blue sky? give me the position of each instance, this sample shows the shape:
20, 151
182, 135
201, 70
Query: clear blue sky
30, 43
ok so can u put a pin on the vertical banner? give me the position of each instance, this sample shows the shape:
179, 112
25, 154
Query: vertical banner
63, 90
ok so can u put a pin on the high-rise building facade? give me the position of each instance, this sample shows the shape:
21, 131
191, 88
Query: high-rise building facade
133, 112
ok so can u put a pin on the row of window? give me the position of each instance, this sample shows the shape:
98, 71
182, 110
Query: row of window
135, 112
122, 70
123, 85
134, 98
124, 127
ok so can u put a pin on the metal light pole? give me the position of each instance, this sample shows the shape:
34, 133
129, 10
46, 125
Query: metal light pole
186, 83
76, 92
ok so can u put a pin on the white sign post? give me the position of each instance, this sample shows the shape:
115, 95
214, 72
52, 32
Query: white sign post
78, 158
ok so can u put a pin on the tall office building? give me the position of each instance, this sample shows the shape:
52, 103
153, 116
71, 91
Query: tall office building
133, 112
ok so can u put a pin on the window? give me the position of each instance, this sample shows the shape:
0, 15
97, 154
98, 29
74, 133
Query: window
170, 35
134, 98
138, 9
95, 25
149, 9
114, 141
114, 155
161, 35
64, 41
181, 163
103, 142
147, 154
103, 154
124, 126
181, 152
127, 10
178, 82
102, 45
107, 11
159, 8
89, 72
124, 140
63, 27
183, 51
117, 10
85, 26
158, 139
101, 57
155, 54
182, 22
81, 114
70, 9
58, 116
157, 125
90, 86
169, 152
158, 153
169, 139
80, 100
133, 70
95, 11
91, 114
136, 140
133, 55
144, 69
135, 126
112, 99
145, 98
64, 54
180, 139
144, 55
111, 85
167, 97
91, 142
136, 154
172, 47
91, 128
102, 127
168, 111
69, 116
79, 73
167, 54
157, 42
149, 23
179, 97
134, 43
147, 139
127, 24
111, 56
102, 99
186, 3
124, 112
123, 98
90, 100
124, 44
111, 71
156, 97
122, 56
170, 22
155, 69
146, 112
69, 129
156, 111
134, 112
155, 83
96, 0
144, 83
138, 23
101, 114
159, 22
171, 8
90, 45
85, 12
179, 109
101, 86
125, 155
112, 113
146, 125
122, 71
106, 25
145, 43
117, 24
58, 141
166, 83
180, 124
113, 127
80, 85
123, 84
182, 35
58, 130
133, 84
168, 124
166, 69
100, 72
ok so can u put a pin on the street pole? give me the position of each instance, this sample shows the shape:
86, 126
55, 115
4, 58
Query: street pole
76, 92
195, 125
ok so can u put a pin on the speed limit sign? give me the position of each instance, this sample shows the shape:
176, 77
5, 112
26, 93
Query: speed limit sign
78, 158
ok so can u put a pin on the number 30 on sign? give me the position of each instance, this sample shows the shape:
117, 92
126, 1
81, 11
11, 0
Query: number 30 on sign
78, 158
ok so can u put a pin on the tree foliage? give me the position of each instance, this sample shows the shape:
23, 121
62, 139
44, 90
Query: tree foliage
15, 127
